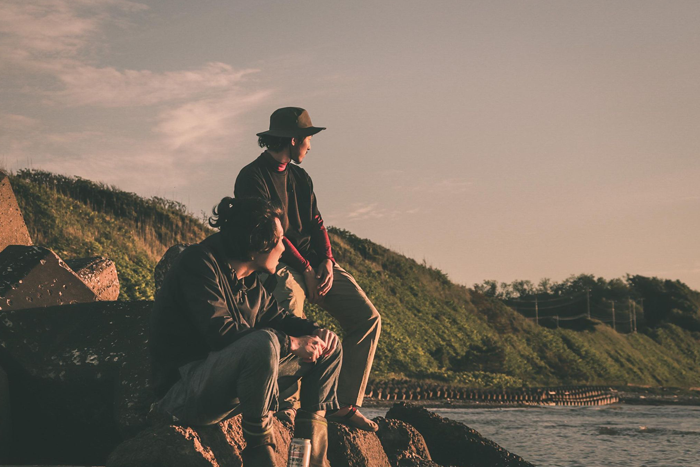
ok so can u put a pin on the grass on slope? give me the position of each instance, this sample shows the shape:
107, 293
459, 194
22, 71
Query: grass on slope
431, 328
77, 218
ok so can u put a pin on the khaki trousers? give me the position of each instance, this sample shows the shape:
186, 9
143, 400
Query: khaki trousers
360, 321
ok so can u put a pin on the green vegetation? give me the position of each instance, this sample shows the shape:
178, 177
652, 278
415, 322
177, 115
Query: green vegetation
77, 218
431, 328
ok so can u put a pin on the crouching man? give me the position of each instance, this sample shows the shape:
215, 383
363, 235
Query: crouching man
221, 346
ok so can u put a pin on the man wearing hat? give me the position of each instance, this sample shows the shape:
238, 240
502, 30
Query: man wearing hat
307, 269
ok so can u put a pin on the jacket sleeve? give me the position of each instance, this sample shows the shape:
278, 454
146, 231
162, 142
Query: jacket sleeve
283, 321
319, 235
292, 257
205, 302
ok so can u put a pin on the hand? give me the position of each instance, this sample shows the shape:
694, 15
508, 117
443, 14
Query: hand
308, 348
324, 274
329, 338
311, 284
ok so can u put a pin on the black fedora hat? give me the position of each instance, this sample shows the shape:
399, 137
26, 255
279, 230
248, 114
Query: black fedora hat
291, 122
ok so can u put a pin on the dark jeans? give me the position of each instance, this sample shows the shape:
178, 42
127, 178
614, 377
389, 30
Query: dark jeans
245, 377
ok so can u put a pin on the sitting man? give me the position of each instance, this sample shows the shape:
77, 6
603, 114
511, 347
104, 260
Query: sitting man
308, 269
221, 346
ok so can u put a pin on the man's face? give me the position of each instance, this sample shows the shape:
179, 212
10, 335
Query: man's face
267, 262
300, 149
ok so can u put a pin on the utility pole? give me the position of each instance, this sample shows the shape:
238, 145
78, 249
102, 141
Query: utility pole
588, 303
630, 313
537, 312
634, 309
557, 321
613, 311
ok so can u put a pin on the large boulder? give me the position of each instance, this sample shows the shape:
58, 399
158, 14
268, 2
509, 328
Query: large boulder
350, 447
78, 379
403, 444
4, 418
453, 443
13, 230
33, 276
98, 273
180, 446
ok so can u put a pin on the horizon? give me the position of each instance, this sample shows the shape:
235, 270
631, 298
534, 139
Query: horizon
491, 140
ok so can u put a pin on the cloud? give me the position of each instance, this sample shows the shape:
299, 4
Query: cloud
15, 122
206, 124
365, 211
132, 128
34, 30
372, 211
109, 87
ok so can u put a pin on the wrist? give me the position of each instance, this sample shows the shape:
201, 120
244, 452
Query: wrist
293, 344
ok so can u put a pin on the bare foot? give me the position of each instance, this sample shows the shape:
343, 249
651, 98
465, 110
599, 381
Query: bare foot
350, 416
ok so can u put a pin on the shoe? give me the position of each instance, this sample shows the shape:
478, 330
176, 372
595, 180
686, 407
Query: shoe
353, 418
287, 415
260, 445
315, 428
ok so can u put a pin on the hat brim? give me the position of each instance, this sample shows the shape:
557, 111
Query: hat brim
299, 132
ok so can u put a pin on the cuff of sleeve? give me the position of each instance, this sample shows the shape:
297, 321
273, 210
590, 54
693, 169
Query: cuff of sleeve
285, 343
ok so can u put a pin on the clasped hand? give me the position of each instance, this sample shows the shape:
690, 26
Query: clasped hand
311, 348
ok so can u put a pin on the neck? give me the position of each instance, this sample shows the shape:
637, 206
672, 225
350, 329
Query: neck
242, 269
282, 156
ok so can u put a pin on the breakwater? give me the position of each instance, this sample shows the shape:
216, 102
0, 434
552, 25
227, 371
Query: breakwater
560, 395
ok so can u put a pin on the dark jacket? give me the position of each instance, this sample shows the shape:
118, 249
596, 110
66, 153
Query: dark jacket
203, 307
293, 190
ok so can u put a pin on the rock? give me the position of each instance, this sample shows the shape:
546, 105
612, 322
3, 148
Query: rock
4, 418
204, 446
13, 230
402, 442
453, 443
78, 377
166, 262
350, 447
100, 274
32, 276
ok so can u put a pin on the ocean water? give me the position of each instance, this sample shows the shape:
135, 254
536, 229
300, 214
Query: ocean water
602, 436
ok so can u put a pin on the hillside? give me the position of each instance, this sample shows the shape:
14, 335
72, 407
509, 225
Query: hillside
432, 328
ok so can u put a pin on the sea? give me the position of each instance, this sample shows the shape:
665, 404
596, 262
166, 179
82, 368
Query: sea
596, 436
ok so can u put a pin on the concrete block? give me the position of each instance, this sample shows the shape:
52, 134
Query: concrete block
100, 274
4, 417
78, 377
34, 277
13, 230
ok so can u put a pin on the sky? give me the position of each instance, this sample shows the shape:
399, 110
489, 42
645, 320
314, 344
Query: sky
495, 140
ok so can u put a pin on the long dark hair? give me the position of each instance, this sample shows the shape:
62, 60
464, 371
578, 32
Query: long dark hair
247, 225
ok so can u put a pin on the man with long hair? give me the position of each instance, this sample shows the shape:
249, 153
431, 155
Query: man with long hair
220, 345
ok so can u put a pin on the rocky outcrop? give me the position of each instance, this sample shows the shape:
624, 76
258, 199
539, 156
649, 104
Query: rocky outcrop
403, 444
221, 445
13, 230
32, 276
350, 447
78, 379
99, 274
453, 443
206, 446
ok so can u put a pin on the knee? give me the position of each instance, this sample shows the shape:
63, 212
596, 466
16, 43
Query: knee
262, 347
